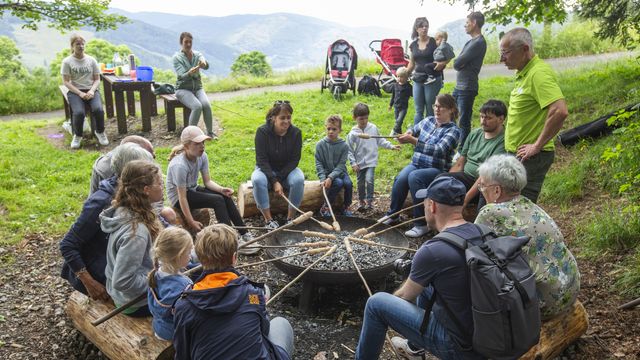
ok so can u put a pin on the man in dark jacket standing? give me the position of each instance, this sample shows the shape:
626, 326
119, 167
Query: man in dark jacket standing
468, 64
223, 316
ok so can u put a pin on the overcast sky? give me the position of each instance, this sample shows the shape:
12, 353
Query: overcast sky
395, 14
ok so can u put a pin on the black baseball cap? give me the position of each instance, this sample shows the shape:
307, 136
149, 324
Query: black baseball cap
445, 190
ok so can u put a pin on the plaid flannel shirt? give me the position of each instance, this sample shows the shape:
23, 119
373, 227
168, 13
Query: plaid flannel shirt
436, 145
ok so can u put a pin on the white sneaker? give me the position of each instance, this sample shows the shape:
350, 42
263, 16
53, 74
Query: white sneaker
102, 138
272, 225
247, 250
417, 231
402, 347
76, 142
67, 126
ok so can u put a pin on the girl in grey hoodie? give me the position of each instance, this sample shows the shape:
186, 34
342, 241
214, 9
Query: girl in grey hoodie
132, 226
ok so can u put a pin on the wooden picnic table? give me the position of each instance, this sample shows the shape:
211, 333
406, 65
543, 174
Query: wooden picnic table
116, 87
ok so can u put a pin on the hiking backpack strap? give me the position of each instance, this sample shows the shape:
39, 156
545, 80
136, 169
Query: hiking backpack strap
503, 267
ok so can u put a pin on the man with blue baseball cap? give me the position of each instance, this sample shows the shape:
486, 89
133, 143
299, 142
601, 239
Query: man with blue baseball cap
438, 279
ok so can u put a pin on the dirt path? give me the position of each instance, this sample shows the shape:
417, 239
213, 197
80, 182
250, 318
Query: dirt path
488, 71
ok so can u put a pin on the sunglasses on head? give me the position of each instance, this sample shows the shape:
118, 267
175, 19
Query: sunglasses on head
281, 102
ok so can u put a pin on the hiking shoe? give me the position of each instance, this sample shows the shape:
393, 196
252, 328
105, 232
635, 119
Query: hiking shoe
212, 135
347, 212
430, 79
402, 347
391, 221
324, 211
362, 207
247, 250
102, 138
417, 231
76, 142
272, 225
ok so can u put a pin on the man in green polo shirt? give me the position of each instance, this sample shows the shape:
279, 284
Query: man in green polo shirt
537, 109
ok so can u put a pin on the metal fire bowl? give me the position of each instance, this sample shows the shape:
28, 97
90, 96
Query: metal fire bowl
327, 277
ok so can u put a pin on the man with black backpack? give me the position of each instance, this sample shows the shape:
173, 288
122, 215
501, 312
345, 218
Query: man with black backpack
441, 285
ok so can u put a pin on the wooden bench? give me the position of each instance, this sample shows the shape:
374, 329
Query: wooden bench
122, 337
170, 105
67, 109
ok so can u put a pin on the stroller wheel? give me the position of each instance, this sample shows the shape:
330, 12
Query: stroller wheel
322, 84
337, 93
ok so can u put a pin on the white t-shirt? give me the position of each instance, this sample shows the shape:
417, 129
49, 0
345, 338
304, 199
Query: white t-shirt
81, 71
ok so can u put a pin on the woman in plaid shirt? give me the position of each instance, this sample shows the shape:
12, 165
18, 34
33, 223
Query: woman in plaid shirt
435, 139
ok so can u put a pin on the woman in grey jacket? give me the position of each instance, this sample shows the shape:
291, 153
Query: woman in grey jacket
132, 226
187, 64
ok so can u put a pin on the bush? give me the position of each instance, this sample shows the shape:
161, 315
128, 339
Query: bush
252, 63
34, 92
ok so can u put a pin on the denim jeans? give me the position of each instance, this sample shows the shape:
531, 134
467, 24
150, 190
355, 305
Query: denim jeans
464, 100
384, 310
365, 178
343, 181
399, 114
199, 103
77, 112
294, 183
281, 334
424, 96
410, 178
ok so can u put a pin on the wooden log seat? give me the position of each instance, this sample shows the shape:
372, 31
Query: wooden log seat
558, 333
121, 337
312, 200
171, 102
201, 215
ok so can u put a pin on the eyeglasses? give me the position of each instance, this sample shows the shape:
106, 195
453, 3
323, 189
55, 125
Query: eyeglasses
439, 107
508, 51
280, 102
482, 187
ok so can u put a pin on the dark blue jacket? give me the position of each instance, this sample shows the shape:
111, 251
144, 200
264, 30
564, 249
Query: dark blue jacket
85, 245
225, 322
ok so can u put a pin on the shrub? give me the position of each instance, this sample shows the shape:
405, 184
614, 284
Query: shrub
252, 63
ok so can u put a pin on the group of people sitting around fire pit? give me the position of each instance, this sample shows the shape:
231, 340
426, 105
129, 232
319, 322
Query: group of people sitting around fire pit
124, 247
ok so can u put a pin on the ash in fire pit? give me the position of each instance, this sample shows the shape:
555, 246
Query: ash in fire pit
366, 256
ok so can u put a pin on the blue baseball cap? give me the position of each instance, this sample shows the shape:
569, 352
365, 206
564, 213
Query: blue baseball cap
445, 190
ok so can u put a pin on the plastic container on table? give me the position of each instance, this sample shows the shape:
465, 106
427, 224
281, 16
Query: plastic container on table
144, 73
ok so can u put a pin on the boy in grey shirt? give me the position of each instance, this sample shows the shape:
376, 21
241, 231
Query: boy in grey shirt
444, 52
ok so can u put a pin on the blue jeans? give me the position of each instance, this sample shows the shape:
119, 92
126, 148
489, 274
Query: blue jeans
294, 183
410, 178
464, 99
365, 183
399, 114
424, 96
198, 103
385, 310
77, 112
281, 334
343, 181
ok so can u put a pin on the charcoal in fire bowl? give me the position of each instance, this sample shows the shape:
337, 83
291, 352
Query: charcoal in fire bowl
374, 262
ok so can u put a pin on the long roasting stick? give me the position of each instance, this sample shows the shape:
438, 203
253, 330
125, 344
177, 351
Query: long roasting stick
367, 136
306, 233
321, 223
347, 245
328, 253
336, 225
309, 252
363, 231
300, 219
302, 244
373, 243
374, 234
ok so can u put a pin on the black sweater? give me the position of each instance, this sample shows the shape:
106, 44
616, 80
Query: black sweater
277, 154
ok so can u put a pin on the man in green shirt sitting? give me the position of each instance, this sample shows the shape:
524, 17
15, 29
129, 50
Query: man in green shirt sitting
481, 143
537, 109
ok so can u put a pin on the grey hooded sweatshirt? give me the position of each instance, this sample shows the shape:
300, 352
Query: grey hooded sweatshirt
331, 158
128, 256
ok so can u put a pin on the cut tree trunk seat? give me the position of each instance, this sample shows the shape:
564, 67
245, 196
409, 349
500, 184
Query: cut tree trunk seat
171, 102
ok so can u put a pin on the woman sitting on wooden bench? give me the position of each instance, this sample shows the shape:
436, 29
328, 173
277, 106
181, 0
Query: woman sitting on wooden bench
81, 75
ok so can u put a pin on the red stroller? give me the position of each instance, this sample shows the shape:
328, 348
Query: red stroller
340, 66
391, 56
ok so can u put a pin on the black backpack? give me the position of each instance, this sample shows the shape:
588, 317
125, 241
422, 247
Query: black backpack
506, 313
369, 85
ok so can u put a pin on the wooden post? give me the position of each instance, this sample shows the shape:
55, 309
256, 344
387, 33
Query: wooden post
120, 111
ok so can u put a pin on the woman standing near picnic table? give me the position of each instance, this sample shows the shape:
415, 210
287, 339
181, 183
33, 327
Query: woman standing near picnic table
187, 64
81, 75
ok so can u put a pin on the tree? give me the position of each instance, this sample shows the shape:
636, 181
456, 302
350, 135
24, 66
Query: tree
10, 65
101, 50
251, 63
619, 19
63, 14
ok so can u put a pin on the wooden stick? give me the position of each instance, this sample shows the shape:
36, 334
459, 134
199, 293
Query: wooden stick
321, 223
328, 253
363, 231
303, 244
309, 252
347, 245
309, 233
373, 243
336, 225
367, 136
347, 348
252, 227
374, 234
300, 219
630, 304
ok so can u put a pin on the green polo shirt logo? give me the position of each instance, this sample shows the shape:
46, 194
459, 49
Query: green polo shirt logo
536, 88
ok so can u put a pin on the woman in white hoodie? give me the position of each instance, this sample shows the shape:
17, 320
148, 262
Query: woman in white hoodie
132, 226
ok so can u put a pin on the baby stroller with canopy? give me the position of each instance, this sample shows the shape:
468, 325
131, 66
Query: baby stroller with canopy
340, 66
390, 54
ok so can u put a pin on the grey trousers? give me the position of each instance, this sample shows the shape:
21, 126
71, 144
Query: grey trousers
199, 103
281, 334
